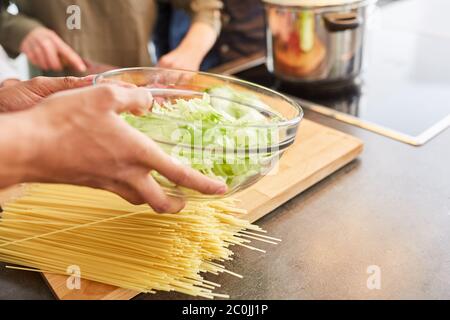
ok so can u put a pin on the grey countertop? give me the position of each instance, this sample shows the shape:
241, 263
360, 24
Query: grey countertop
390, 209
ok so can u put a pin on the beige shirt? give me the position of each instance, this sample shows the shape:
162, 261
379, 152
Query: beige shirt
113, 32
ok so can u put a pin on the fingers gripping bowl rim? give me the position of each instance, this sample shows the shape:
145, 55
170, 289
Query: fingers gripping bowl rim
226, 128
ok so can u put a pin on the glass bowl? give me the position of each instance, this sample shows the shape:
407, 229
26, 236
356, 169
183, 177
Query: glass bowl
239, 151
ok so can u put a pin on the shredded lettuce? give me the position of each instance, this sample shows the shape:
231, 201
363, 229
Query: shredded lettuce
216, 134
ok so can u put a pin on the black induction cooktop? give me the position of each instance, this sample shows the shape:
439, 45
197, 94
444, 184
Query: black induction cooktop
404, 90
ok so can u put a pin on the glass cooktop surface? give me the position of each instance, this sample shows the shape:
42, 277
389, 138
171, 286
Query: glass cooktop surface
404, 90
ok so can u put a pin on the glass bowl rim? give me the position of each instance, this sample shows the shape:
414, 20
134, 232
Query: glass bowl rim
285, 123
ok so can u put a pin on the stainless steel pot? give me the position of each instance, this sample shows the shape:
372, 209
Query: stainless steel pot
316, 41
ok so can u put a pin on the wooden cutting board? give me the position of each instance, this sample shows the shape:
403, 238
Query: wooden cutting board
318, 152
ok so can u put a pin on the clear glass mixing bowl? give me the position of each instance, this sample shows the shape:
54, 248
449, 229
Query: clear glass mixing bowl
239, 153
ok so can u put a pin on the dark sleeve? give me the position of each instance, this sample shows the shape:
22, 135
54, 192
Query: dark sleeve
14, 28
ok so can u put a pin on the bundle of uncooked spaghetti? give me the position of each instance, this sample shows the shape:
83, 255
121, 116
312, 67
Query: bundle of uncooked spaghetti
53, 227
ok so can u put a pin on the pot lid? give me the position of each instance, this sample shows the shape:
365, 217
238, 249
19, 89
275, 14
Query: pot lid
316, 3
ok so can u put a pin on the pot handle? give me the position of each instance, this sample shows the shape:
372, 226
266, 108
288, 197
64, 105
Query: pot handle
338, 21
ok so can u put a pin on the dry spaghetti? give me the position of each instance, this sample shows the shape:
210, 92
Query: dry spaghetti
111, 241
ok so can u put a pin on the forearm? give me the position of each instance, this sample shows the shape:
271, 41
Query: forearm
17, 148
206, 11
199, 40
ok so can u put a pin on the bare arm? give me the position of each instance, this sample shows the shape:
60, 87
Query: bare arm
26, 94
202, 34
77, 137
192, 50
17, 148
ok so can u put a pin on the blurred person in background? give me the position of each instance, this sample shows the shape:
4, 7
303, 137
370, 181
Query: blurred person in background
242, 33
8, 75
62, 37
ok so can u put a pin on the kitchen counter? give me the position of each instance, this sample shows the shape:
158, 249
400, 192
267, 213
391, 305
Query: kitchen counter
390, 208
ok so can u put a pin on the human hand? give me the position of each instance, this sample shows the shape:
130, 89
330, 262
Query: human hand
46, 50
82, 140
192, 50
180, 58
24, 95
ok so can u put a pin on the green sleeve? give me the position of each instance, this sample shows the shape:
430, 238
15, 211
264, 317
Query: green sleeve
14, 28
